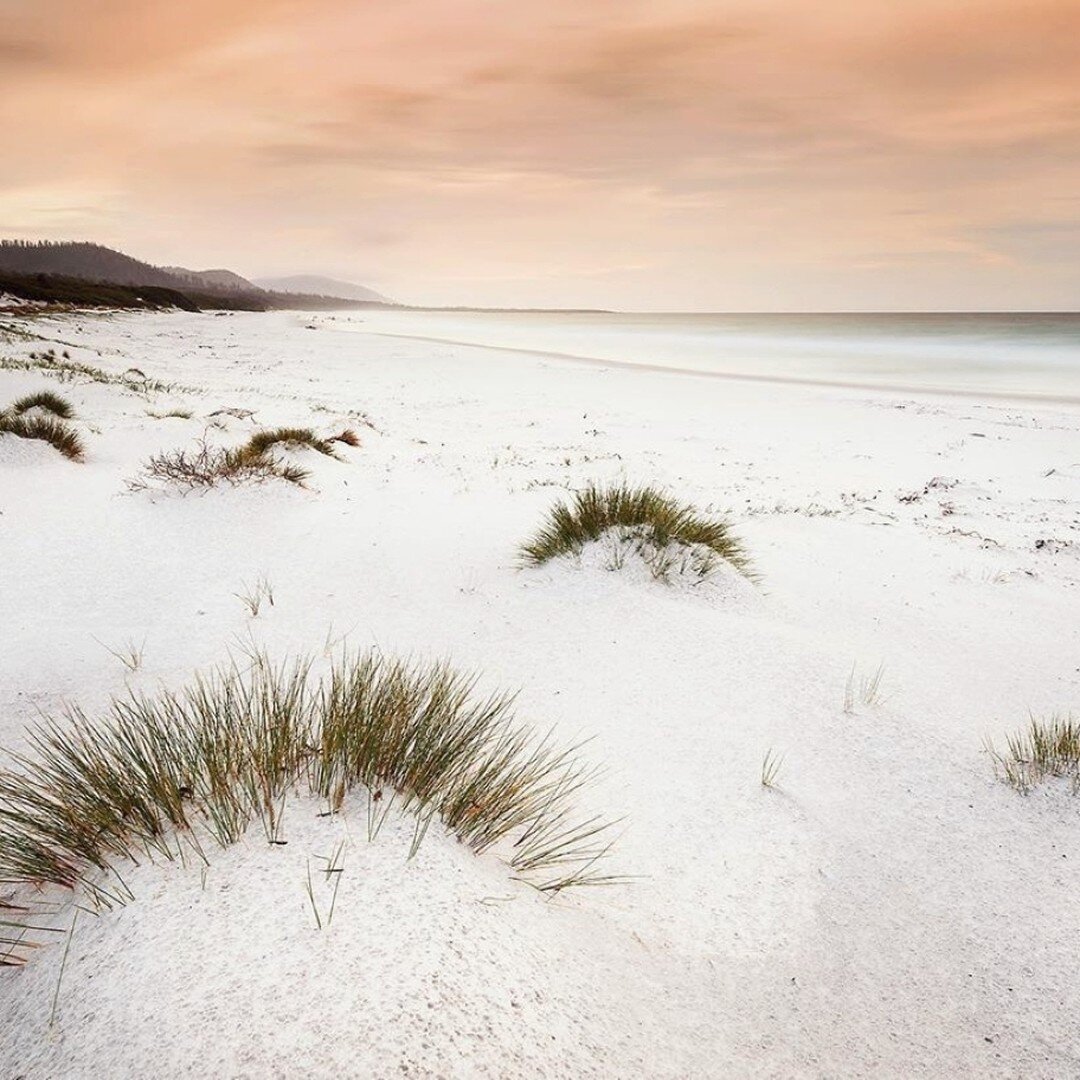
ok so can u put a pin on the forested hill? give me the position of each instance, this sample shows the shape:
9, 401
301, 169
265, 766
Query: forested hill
51, 271
91, 262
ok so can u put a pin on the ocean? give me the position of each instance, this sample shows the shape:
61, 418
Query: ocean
1023, 354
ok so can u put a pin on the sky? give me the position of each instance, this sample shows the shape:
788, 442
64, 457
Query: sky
670, 155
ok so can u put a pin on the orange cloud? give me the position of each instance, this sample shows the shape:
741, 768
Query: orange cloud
776, 153
111, 37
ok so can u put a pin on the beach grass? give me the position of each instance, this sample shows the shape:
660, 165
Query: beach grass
262, 442
347, 437
47, 428
67, 370
253, 596
669, 535
171, 414
204, 764
130, 654
770, 768
862, 689
46, 400
1046, 748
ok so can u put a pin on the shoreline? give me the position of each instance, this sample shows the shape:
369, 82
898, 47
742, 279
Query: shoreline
1020, 396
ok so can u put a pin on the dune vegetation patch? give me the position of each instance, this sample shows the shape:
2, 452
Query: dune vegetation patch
65, 369
171, 414
186, 771
45, 400
294, 438
204, 466
1046, 748
44, 417
671, 538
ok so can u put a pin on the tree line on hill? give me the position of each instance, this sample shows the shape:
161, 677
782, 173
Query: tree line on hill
92, 275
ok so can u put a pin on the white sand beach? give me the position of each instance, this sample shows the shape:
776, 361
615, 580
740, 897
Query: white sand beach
888, 908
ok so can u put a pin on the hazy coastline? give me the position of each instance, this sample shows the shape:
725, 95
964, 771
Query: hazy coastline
1008, 356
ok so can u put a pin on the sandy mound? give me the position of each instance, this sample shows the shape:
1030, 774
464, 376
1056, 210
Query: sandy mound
440, 964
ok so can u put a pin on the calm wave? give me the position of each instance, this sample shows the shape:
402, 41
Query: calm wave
1025, 354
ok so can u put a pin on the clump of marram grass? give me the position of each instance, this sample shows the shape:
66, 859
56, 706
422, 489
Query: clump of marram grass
290, 437
156, 775
51, 429
205, 466
668, 535
171, 414
1047, 748
46, 400
293, 438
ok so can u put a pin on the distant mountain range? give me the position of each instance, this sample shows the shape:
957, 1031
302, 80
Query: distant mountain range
319, 286
213, 279
91, 274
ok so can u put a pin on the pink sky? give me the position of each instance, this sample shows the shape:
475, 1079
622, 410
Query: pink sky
675, 154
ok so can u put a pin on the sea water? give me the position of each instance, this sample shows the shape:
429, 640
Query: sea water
1022, 354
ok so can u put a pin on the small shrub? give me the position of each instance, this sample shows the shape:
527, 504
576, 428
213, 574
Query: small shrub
667, 534
46, 400
1047, 748
253, 462
205, 465
48, 429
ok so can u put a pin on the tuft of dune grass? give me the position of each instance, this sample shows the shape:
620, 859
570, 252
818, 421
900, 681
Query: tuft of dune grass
58, 433
201, 766
44, 399
263, 441
172, 414
346, 436
648, 520
1046, 748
